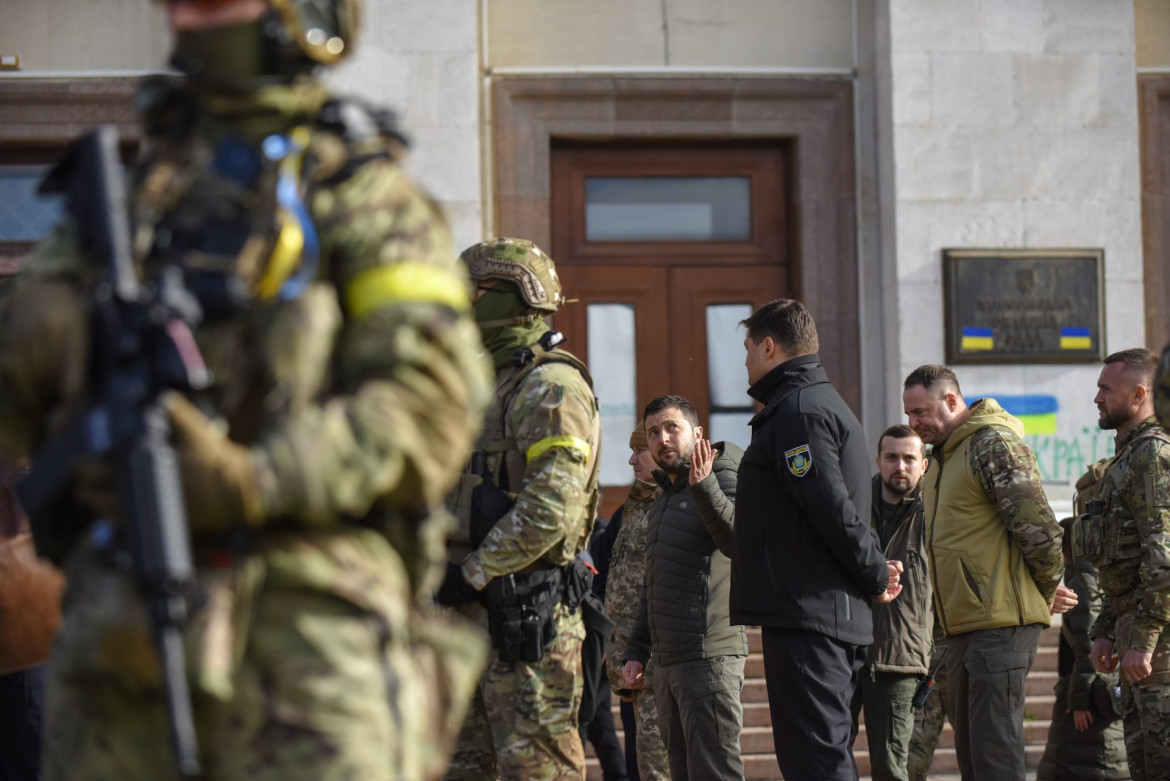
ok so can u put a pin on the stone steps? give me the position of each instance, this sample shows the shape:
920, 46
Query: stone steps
756, 739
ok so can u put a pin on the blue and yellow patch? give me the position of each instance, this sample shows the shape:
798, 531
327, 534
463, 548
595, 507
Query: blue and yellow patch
799, 460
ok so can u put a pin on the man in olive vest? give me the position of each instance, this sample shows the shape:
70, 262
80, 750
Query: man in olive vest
994, 546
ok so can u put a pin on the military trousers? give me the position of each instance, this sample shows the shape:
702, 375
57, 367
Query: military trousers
929, 723
653, 762
298, 685
1146, 722
701, 717
887, 699
987, 673
524, 717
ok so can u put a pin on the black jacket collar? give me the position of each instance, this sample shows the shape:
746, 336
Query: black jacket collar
803, 371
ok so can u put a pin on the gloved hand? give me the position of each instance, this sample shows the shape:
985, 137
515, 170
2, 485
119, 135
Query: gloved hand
220, 478
455, 590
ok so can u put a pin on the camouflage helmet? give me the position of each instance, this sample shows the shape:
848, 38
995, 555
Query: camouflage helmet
1162, 389
521, 262
324, 30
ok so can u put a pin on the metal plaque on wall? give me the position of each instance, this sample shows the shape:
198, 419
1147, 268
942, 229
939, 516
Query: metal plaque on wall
1024, 306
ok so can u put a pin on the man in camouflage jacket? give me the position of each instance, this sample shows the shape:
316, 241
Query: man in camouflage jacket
540, 447
1126, 533
347, 389
627, 572
994, 547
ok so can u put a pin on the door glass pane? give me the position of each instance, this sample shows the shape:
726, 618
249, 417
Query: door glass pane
613, 364
668, 208
731, 407
24, 215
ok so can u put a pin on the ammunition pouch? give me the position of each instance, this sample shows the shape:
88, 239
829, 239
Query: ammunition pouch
1105, 696
521, 608
1089, 534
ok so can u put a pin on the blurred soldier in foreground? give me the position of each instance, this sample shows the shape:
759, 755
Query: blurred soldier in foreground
525, 506
631, 555
347, 389
1126, 534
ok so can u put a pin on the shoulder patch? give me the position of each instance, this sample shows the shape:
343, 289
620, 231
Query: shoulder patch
799, 460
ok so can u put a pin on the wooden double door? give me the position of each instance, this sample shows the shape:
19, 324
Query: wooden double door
660, 285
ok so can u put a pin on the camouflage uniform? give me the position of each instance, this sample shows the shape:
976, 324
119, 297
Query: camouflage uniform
929, 725
540, 443
318, 654
1162, 389
627, 570
1132, 551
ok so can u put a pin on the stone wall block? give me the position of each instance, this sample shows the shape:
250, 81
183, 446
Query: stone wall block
972, 90
1100, 165
1013, 26
934, 26
1123, 239
446, 162
1124, 322
982, 223
915, 249
1065, 223
392, 88
920, 323
407, 26
1010, 164
1118, 91
935, 163
1096, 26
1061, 89
911, 86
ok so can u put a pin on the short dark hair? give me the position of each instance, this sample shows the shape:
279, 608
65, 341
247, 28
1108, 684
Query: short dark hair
938, 380
1138, 360
679, 403
899, 431
788, 322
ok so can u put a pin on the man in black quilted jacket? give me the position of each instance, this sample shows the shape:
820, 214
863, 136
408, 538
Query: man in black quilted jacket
698, 654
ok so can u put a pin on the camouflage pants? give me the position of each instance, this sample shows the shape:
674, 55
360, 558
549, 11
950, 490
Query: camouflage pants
1147, 731
323, 690
653, 764
523, 719
928, 725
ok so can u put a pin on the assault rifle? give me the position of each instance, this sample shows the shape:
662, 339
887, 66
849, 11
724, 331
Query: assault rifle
141, 346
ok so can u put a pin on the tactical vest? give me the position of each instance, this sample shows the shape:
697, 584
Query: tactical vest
498, 457
234, 217
1097, 532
